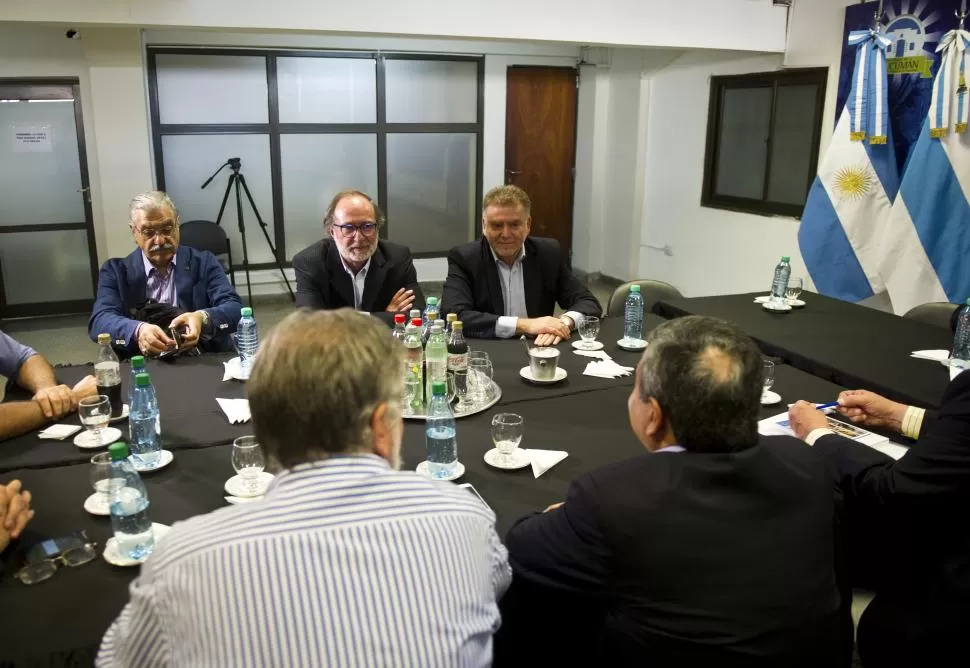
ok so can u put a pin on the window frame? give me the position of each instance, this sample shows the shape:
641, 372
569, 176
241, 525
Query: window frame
817, 76
275, 129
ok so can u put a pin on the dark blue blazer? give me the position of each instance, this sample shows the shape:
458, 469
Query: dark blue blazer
200, 283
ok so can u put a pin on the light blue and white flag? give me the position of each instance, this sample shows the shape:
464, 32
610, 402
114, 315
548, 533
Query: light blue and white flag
926, 256
851, 199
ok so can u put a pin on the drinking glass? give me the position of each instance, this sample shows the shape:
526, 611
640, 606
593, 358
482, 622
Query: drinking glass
248, 461
461, 389
794, 289
768, 379
95, 413
507, 431
480, 377
588, 331
101, 478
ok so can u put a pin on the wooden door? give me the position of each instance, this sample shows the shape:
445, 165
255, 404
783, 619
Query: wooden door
540, 145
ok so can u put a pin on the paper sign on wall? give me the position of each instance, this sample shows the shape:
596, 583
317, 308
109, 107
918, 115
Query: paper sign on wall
31, 137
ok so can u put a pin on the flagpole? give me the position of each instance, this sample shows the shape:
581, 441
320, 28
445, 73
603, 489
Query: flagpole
962, 14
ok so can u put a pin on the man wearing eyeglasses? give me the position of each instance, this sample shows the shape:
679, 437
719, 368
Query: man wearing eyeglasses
353, 266
189, 281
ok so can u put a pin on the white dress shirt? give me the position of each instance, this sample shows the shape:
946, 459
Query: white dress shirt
344, 562
357, 280
513, 294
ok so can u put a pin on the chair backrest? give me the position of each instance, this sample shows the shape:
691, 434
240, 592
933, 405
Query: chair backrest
933, 313
204, 235
652, 291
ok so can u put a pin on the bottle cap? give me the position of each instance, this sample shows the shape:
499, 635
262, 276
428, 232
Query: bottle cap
143, 379
416, 322
459, 325
137, 362
437, 329
415, 313
785, 258
968, 301
439, 322
104, 339
118, 451
246, 312
438, 389
398, 318
432, 301
634, 288
451, 317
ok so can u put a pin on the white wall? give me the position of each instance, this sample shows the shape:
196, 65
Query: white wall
753, 25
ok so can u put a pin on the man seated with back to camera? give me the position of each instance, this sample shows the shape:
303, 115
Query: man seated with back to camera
713, 548
508, 283
346, 561
162, 286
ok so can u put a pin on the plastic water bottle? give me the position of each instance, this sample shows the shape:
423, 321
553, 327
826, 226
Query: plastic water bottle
440, 435
137, 367
129, 507
779, 284
144, 424
633, 315
436, 358
430, 315
414, 368
247, 340
961, 339
398, 332
107, 374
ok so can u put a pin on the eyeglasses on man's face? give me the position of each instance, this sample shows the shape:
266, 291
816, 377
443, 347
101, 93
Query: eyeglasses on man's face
158, 231
349, 229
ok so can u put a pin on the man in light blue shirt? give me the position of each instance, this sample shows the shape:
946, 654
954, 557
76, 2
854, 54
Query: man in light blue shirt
51, 401
346, 561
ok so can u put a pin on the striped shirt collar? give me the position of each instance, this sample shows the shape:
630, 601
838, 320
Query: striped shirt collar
149, 267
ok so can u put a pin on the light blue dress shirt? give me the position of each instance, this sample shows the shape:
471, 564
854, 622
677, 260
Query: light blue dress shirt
161, 288
357, 280
513, 294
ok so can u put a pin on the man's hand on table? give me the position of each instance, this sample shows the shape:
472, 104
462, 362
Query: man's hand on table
805, 419
548, 331
15, 512
56, 401
193, 328
152, 340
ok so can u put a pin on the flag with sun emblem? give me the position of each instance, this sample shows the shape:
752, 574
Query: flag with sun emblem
850, 201
926, 256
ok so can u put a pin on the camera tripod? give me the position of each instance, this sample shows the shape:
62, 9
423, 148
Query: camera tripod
238, 180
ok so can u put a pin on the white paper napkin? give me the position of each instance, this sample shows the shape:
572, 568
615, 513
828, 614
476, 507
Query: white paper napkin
762, 300
237, 410
233, 371
543, 460
934, 355
596, 354
607, 369
58, 432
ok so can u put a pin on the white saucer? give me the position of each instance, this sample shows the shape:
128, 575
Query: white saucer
94, 505
239, 500
797, 303
164, 459
769, 398
520, 459
526, 373
113, 557
592, 345
236, 487
631, 345
123, 416
422, 470
778, 308
86, 438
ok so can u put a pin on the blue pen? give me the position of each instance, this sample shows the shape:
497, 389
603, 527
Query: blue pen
831, 404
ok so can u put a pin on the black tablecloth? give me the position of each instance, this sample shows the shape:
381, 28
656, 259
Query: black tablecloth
63, 619
850, 345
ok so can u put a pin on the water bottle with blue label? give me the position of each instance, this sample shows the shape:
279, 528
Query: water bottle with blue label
440, 434
129, 507
247, 340
961, 338
779, 284
633, 316
144, 424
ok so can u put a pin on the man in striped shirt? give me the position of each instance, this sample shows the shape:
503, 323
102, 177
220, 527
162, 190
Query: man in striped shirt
346, 561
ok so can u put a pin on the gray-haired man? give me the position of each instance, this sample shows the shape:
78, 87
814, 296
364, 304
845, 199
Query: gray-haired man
346, 561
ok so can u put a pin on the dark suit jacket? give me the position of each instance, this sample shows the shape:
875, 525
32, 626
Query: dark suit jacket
200, 283
694, 559
472, 289
322, 282
909, 535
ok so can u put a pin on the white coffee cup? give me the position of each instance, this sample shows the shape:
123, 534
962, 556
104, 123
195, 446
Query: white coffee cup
543, 363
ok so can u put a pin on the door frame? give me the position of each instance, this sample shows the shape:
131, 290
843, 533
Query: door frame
67, 306
505, 163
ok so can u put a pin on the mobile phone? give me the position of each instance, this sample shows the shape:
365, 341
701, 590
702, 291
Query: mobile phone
471, 489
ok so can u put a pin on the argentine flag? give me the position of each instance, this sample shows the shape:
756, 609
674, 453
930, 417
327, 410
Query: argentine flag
926, 256
840, 235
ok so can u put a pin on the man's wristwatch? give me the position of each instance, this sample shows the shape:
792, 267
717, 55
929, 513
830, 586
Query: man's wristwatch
566, 320
205, 320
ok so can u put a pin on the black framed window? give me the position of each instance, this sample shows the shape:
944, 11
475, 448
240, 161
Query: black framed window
405, 128
763, 134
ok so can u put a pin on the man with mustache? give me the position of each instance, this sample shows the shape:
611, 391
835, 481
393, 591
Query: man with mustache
181, 278
354, 267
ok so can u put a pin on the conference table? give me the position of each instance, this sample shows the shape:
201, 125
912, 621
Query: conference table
61, 621
848, 344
